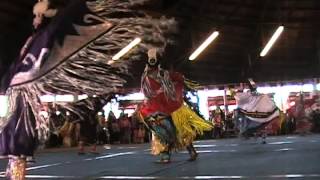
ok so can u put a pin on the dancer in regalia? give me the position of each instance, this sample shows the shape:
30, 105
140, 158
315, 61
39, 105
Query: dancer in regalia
71, 52
173, 123
256, 113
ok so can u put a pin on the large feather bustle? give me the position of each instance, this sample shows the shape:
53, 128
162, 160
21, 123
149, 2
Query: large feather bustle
89, 71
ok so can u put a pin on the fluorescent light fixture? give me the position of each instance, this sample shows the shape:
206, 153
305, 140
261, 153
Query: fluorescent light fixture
123, 51
47, 98
83, 96
204, 45
272, 41
133, 96
65, 98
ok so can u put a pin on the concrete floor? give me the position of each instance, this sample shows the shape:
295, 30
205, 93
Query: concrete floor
283, 157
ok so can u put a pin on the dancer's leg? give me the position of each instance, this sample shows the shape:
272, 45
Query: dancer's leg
264, 137
81, 148
16, 169
94, 149
165, 157
192, 152
164, 137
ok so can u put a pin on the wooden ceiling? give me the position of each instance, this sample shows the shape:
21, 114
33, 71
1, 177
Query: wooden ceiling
245, 26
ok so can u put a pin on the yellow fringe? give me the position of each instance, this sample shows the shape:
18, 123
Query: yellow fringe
188, 125
156, 146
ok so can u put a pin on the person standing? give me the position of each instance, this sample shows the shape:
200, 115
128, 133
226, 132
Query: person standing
114, 128
217, 121
88, 135
125, 128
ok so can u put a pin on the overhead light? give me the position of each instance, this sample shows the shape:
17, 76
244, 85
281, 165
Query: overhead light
83, 96
205, 44
123, 51
272, 41
47, 98
64, 98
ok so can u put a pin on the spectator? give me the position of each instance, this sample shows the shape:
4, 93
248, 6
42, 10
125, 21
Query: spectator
88, 135
102, 130
139, 134
125, 128
114, 128
217, 121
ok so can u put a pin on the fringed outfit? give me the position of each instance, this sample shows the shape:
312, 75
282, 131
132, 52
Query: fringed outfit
71, 53
257, 113
173, 124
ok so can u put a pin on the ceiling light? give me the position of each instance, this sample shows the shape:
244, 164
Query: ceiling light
205, 44
272, 41
123, 51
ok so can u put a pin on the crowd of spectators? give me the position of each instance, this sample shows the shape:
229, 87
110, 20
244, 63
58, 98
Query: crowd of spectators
98, 130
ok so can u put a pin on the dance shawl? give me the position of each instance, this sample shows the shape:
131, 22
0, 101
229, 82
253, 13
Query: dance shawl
72, 54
